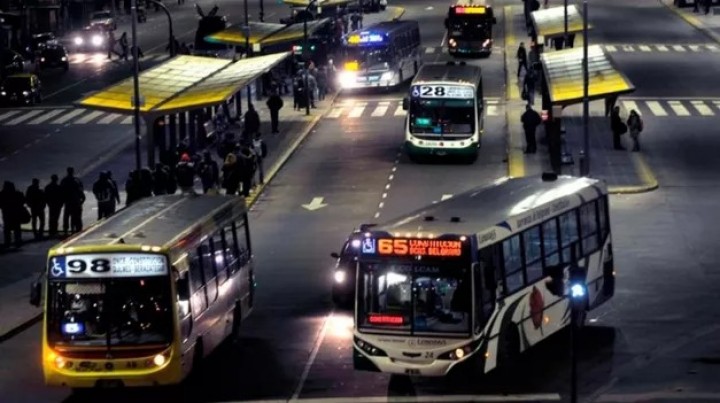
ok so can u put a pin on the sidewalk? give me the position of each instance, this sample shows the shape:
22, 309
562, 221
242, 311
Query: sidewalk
20, 268
623, 171
708, 24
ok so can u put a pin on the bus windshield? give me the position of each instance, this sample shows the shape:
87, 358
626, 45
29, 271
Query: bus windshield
442, 116
368, 56
470, 28
415, 298
110, 312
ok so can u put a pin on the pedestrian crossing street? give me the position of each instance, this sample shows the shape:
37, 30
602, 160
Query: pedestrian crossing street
358, 109
622, 48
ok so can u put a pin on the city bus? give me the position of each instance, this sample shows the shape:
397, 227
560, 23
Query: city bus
469, 28
445, 112
140, 298
382, 55
480, 277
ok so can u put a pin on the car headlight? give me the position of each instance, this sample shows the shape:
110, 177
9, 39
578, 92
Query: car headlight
42, 59
387, 76
97, 40
452, 43
3, 93
26, 93
340, 276
64, 59
347, 78
78, 40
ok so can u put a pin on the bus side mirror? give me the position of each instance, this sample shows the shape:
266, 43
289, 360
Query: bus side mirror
35, 293
406, 104
335, 255
555, 284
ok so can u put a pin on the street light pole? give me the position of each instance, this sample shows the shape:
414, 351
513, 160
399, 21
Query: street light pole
306, 48
247, 45
585, 167
136, 83
262, 11
565, 36
173, 51
578, 292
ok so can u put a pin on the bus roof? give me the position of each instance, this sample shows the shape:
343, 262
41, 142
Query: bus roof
473, 3
384, 28
447, 72
480, 209
158, 221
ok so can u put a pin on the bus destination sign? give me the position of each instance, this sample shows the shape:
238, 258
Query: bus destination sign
411, 247
442, 91
108, 265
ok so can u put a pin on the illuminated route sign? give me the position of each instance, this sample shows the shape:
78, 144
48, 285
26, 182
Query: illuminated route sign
412, 247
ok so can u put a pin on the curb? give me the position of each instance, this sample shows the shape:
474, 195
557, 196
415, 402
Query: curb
515, 159
20, 328
692, 20
646, 174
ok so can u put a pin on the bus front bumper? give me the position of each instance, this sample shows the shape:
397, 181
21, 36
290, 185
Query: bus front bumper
434, 148
349, 81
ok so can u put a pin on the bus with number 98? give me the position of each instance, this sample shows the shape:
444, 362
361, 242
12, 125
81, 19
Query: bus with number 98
445, 115
141, 297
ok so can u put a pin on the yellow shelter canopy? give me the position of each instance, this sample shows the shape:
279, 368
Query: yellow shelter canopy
564, 74
235, 34
550, 22
293, 32
318, 3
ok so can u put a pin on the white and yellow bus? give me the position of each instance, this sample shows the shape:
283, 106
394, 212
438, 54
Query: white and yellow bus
445, 112
472, 281
140, 298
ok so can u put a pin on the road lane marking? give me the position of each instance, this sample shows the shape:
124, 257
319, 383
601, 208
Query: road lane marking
90, 116
311, 359
492, 110
645, 48
400, 111
335, 112
68, 116
357, 111
703, 109
8, 114
678, 48
662, 48
430, 50
24, 117
678, 108
631, 105
694, 48
628, 48
711, 48
656, 108
45, 117
610, 48
381, 109
128, 120
109, 118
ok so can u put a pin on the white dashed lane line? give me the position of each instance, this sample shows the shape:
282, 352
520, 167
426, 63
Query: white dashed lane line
389, 183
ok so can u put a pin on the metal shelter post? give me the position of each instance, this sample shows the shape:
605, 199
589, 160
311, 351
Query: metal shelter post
565, 31
585, 166
136, 84
247, 44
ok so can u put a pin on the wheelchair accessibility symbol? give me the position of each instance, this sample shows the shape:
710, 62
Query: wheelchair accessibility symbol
368, 245
416, 91
58, 267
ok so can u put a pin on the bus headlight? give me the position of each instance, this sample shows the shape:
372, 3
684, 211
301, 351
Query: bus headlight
452, 43
159, 360
340, 276
387, 76
97, 40
369, 348
78, 40
347, 79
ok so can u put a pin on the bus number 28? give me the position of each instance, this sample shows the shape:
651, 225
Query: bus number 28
95, 265
430, 91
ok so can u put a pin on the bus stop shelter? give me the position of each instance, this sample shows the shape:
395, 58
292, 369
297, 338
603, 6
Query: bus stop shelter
184, 91
264, 34
549, 23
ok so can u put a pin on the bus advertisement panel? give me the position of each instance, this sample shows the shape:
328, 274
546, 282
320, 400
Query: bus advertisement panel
469, 29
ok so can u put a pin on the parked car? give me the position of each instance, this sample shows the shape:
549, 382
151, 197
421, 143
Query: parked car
39, 41
54, 56
90, 39
11, 62
20, 89
103, 19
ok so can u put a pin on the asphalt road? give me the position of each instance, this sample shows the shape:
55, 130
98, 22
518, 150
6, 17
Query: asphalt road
656, 339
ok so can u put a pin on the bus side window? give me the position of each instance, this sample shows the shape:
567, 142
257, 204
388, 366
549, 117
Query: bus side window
568, 233
231, 253
199, 299
220, 258
589, 227
533, 254
242, 243
551, 243
512, 259
207, 261
602, 215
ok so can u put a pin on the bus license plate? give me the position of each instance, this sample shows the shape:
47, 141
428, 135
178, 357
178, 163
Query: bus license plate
412, 371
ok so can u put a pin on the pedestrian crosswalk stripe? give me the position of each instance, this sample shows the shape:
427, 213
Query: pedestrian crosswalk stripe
109, 118
717, 104
662, 48
357, 110
703, 109
429, 50
610, 48
46, 116
24, 117
631, 105
656, 108
90, 116
695, 48
381, 109
645, 48
711, 47
128, 120
628, 48
8, 114
678, 48
399, 111
678, 108
68, 116
492, 110
335, 112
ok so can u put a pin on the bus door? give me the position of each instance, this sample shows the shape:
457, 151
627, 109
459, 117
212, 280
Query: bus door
487, 282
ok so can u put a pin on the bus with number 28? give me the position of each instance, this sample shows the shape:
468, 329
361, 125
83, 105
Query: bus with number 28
472, 281
141, 297
445, 112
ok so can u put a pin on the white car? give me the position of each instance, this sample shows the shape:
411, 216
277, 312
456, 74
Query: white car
103, 19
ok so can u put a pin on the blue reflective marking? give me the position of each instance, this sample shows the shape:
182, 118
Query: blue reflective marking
368, 245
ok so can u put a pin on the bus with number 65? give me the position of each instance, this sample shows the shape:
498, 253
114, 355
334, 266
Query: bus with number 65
471, 282
140, 298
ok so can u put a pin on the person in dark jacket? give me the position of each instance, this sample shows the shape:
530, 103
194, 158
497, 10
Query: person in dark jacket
74, 197
161, 177
185, 173
618, 128
116, 193
522, 58
252, 122
146, 182
106, 195
35, 199
132, 187
209, 173
231, 173
530, 121
55, 201
247, 163
274, 104
12, 206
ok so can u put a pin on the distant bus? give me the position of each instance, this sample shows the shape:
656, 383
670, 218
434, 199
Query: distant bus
469, 28
481, 277
382, 55
141, 297
445, 112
